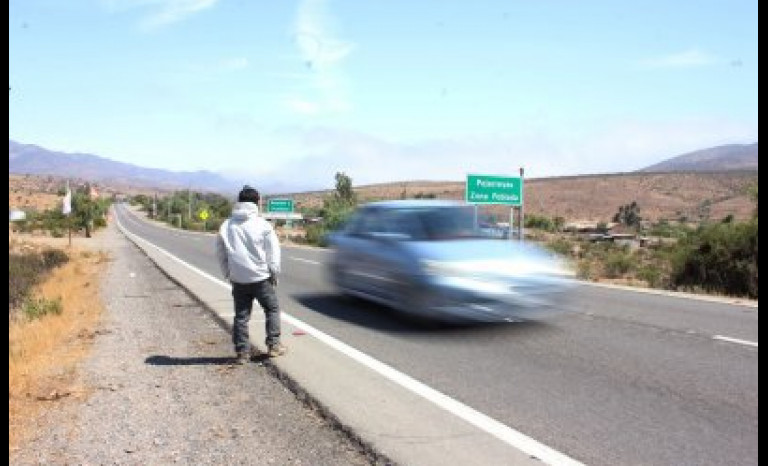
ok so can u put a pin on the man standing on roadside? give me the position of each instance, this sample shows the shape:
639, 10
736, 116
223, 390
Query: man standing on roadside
249, 256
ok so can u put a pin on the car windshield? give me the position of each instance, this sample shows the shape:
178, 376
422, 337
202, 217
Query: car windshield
435, 224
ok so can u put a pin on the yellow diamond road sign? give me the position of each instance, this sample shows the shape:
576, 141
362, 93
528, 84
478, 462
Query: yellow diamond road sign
203, 215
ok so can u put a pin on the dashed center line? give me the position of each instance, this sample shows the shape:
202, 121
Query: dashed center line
304, 260
738, 341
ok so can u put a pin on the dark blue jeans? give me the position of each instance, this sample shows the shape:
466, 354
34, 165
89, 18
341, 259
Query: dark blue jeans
244, 294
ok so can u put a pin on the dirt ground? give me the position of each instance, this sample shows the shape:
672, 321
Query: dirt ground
155, 383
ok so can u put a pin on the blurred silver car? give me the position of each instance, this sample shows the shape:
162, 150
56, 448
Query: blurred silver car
427, 258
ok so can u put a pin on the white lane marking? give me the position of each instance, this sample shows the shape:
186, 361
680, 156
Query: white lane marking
641, 290
482, 421
316, 249
674, 294
381, 278
300, 259
735, 340
196, 235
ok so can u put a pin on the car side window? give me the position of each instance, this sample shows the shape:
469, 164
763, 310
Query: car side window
366, 222
406, 223
352, 226
387, 221
374, 223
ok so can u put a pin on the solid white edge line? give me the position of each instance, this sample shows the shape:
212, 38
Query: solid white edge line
735, 340
652, 291
501, 431
192, 234
673, 294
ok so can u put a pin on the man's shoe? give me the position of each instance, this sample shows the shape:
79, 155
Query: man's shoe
276, 350
242, 358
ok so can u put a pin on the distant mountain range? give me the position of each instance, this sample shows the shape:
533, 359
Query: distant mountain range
35, 160
721, 158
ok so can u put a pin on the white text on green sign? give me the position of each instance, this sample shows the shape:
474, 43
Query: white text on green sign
489, 189
280, 205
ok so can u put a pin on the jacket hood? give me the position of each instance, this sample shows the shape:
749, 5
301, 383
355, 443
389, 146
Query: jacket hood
243, 210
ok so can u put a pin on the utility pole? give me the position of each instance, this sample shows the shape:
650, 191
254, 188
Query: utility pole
189, 203
522, 201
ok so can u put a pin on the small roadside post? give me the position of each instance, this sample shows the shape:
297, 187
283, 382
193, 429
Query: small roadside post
204, 217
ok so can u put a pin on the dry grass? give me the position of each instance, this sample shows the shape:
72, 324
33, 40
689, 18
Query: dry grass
41, 191
27, 192
44, 353
597, 197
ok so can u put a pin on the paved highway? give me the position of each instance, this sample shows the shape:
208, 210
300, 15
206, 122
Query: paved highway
621, 377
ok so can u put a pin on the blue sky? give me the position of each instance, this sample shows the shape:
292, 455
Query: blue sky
289, 92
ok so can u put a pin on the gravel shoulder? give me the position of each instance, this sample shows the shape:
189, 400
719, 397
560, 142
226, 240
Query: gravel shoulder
162, 389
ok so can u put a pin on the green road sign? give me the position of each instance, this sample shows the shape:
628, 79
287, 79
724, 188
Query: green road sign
203, 214
489, 189
280, 205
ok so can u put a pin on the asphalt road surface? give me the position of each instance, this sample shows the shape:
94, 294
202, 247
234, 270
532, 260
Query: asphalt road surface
620, 377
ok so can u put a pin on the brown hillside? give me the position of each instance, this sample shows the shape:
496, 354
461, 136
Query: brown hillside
670, 196
40, 192
33, 192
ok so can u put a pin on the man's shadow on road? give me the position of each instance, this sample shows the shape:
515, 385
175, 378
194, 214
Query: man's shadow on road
162, 360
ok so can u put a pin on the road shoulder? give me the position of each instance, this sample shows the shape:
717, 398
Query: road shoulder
163, 389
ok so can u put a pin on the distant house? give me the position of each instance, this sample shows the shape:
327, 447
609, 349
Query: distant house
625, 239
283, 216
586, 226
16, 215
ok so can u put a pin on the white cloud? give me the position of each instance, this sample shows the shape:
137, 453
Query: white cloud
322, 53
617, 147
686, 59
302, 106
315, 37
162, 12
234, 64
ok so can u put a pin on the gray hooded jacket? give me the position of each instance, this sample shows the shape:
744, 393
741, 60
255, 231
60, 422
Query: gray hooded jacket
247, 246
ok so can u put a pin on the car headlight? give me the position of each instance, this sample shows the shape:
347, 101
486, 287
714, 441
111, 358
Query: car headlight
432, 267
496, 270
463, 277
443, 268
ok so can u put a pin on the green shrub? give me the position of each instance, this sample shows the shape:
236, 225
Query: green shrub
316, 234
54, 257
665, 229
35, 308
618, 263
27, 270
651, 275
24, 226
539, 222
561, 246
214, 224
586, 270
721, 257
195, 226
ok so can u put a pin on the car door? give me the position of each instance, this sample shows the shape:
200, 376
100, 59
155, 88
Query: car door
356, 250
390, 264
